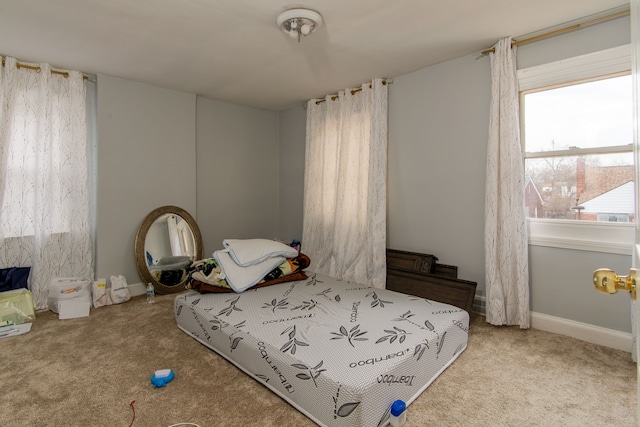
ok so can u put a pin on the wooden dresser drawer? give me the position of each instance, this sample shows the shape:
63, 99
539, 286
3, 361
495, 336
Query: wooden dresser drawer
450, 291
420, 275
421, 263
410, 261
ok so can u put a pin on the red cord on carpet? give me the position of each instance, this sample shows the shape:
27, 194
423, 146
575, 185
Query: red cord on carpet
134, 412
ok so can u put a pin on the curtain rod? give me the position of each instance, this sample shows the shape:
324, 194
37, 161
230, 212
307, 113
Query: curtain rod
353, 91
563, 30
64, 74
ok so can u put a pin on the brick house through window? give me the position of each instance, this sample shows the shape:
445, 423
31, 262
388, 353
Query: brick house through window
594, 193
604, 193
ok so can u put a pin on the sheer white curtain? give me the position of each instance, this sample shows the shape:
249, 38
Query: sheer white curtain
344, 226
44, 184
506, 251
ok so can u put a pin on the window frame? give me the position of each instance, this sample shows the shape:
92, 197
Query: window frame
616, 238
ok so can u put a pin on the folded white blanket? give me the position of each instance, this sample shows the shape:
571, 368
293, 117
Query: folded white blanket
245, 262
247, 252
241, 278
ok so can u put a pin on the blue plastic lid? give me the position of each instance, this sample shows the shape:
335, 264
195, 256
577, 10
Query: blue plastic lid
398, 408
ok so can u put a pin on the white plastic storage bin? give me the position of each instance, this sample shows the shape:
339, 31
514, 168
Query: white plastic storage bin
69, 288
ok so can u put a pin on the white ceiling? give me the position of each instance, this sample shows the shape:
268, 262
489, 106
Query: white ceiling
232, 50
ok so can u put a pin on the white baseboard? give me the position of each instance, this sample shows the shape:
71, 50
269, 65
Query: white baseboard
136, 289
582, 331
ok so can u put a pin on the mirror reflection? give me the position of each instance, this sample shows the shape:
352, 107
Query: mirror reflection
167, 243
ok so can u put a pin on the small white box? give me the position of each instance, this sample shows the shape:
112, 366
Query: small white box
72, 308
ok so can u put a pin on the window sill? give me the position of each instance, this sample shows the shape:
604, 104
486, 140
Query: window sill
614, 238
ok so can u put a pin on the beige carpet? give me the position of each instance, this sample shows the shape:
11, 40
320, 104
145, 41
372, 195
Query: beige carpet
86, 372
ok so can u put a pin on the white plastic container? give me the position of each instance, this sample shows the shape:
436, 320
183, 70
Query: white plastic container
68, 288
398, 413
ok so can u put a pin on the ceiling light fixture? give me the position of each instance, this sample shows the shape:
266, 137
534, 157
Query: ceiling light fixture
299, 22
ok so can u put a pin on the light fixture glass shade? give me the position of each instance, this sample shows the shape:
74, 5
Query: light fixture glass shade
299, 22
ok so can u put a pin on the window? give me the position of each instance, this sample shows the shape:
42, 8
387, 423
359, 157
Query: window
578, 143
577, 134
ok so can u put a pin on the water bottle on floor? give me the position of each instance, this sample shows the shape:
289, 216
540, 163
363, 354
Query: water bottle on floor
398, 413
151, 294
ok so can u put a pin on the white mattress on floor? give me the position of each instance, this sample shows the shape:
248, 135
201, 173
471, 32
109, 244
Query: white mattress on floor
339, 352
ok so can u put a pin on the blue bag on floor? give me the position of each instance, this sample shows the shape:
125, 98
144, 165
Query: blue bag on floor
14, 278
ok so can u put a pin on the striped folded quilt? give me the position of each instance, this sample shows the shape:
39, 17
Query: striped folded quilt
206, 275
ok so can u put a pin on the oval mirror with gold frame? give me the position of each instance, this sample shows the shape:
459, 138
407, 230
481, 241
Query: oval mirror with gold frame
168, 241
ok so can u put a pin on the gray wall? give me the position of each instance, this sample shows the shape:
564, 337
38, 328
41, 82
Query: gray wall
562, 286
152, 142
146, 152
237, 173
438, 126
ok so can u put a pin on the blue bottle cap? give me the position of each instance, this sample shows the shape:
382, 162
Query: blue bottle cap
398, 408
